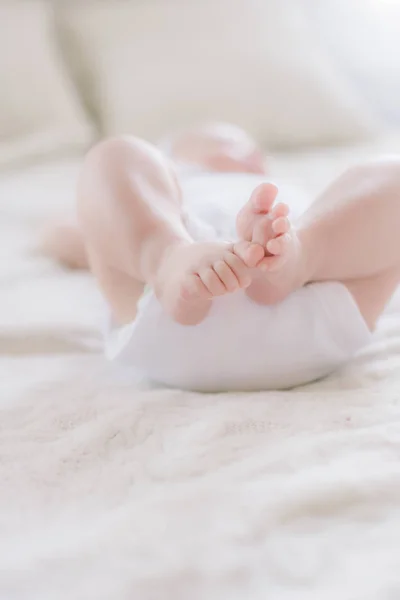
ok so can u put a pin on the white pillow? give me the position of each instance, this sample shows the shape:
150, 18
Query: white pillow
39, 109
150, 66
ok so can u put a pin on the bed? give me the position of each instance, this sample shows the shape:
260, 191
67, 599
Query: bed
113, 489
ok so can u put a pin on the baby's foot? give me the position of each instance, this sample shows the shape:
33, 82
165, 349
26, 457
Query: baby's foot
191, 275
280, 272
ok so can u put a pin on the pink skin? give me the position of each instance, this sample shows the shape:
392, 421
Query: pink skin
190, 275
129, 204
220, 147
131, 231
262, 222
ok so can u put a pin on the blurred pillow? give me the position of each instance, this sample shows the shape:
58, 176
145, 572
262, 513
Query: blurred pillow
148, 66
39, 110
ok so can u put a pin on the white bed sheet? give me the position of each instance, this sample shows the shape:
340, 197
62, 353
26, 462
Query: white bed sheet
110, 490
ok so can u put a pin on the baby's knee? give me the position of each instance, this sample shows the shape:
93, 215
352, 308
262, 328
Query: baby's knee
383, 171
102, 177
112, 154
107, 169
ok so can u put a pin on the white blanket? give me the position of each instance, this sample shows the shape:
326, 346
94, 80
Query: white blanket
111, 491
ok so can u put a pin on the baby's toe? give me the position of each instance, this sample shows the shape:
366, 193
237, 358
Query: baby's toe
263, 197
212, 282
239, 268
273, 263
280, 210
279, 245
250, 253
226, 275
260, 202
281, 225
262, 231
194, 288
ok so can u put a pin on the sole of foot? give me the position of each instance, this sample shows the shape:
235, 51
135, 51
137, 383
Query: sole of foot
263, 222
191, 275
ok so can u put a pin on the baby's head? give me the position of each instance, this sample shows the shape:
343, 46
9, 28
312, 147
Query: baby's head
218, 147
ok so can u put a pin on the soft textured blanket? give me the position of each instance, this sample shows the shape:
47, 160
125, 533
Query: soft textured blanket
113, 491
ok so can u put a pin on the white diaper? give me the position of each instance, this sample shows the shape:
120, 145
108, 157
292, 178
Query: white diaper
244, 346
240, 345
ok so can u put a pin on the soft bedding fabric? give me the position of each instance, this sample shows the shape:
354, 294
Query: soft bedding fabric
110, 490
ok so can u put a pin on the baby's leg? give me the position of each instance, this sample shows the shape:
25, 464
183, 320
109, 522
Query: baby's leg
352, 234
215, 147
130, 212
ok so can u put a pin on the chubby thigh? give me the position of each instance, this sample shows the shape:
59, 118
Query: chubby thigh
242, 345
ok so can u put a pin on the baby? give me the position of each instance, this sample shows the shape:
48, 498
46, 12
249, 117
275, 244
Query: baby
272, 307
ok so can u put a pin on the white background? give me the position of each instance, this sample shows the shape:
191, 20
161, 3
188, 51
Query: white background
364, 36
